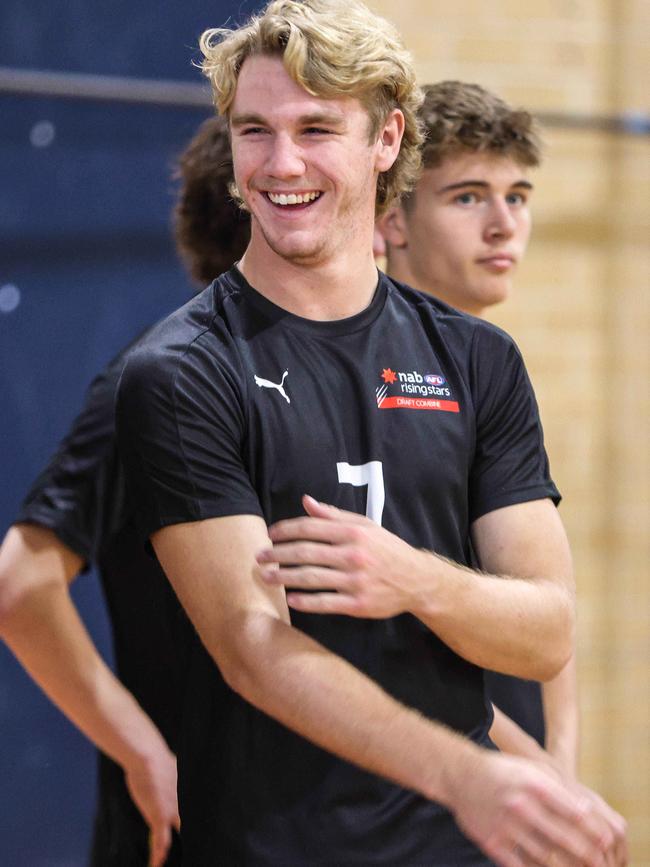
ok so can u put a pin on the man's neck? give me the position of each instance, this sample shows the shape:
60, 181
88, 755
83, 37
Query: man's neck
336, 288
397, 270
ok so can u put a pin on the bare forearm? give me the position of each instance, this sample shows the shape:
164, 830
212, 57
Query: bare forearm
561, 717
522, 625
323, 698
513, 625
50, 641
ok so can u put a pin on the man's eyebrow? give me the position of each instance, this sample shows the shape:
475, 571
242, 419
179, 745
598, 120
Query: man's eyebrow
241, 119
522, 184
323, 117
314, 119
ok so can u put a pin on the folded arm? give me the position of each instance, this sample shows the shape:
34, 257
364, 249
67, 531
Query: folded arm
40, 624
516, 617
244, 624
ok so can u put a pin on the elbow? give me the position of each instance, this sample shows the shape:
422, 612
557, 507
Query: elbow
24, 597
243, 654
552, 665
11, 596
560, 644
32, 567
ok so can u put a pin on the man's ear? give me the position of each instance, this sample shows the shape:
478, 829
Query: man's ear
390, 140
393, 228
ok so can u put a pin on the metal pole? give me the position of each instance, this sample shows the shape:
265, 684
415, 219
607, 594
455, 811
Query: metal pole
149, 91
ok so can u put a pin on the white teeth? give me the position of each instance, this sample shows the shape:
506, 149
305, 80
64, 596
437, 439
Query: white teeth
292, 198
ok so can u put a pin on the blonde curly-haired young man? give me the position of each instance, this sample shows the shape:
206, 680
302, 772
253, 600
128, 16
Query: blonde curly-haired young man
301, 438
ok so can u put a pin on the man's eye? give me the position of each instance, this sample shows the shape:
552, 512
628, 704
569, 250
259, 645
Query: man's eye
252, 130
316, 130
516, 199
466, 198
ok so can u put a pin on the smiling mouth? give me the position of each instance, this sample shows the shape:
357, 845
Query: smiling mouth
285, 199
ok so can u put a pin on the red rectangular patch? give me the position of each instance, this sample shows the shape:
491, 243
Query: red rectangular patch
419, 403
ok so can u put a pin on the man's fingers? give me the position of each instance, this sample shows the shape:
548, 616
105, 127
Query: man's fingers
316, 509
572, 829
313, 529
323, 603
160, 838
307, 578
310, 554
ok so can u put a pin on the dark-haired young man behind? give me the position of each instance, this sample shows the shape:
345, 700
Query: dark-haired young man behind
78, 512
460, 235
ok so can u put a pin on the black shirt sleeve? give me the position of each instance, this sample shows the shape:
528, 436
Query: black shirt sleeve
80, 493
510, 464
182, 432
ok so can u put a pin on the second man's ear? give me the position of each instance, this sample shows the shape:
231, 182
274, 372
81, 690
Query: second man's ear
392, 227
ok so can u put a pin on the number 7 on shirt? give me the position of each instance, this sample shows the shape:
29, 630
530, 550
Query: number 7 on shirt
370, 474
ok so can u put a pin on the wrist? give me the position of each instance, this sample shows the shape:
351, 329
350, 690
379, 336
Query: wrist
462, 761
143, 756
429, 583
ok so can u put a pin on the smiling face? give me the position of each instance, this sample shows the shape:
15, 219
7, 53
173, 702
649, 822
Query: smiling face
463, 232
304, 166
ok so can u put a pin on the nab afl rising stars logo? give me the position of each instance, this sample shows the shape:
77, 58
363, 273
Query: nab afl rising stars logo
413, 390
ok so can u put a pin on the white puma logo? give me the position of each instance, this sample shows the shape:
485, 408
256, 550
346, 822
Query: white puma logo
266, 383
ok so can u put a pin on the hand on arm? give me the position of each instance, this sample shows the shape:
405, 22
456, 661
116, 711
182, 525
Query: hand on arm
520, 625
244, 623
40, 624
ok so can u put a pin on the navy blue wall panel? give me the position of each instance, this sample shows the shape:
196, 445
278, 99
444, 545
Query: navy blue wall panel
86, 262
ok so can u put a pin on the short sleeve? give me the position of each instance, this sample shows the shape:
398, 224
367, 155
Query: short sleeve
510, 464
181, 424
80, 495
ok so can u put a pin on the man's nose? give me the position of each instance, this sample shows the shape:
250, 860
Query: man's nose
285, 159
501, 221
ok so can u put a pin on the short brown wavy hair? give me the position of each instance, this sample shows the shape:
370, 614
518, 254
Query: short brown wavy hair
331, 48
461, 117
210, 229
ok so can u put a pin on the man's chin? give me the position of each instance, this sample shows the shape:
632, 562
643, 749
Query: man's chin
298, 251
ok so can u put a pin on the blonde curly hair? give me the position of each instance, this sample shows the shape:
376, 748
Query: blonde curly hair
331, 48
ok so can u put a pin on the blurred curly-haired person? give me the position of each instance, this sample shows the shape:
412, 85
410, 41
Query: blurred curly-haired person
78, 513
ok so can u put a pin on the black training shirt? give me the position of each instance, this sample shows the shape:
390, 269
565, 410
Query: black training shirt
81, 496
418, 415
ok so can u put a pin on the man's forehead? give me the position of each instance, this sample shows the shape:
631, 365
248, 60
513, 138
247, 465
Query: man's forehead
266, 90
484, 169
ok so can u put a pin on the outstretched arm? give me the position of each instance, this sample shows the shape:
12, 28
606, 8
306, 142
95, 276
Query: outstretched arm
500, 802
517, 617
41, 625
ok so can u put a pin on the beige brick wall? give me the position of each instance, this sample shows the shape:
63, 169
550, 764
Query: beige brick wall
581, 315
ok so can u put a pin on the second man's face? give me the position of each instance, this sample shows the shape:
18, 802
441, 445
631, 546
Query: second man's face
465, 230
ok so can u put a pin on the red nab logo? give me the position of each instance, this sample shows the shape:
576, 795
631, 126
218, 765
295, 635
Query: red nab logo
412, 390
